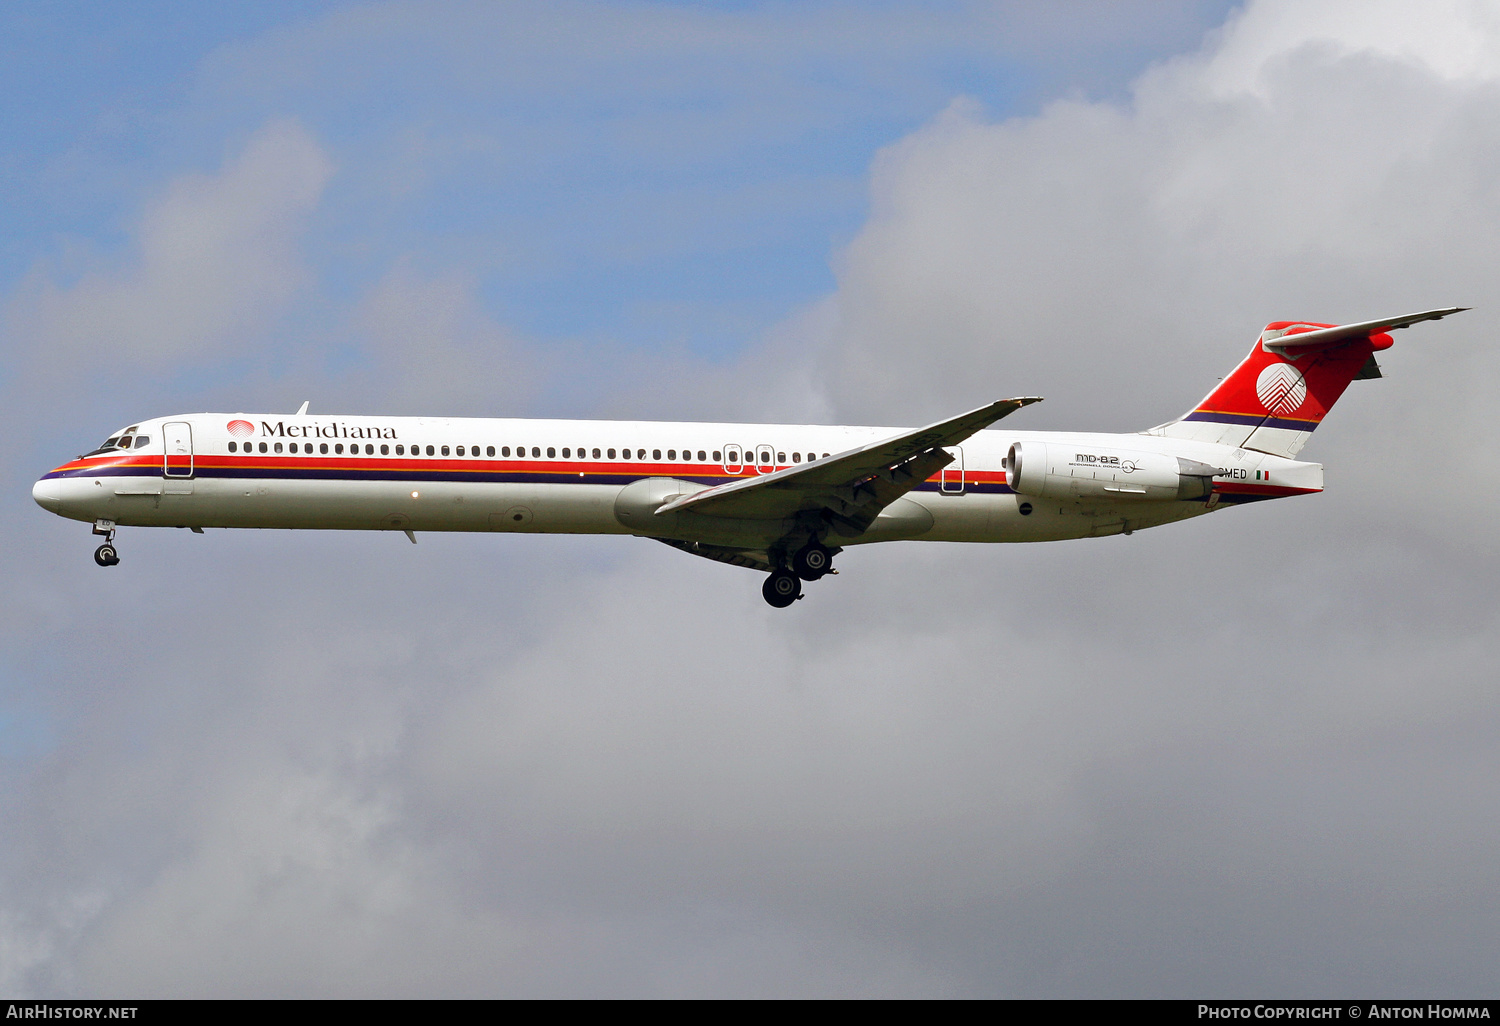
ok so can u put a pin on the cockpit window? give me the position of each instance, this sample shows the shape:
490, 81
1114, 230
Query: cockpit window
141, 440
113, 442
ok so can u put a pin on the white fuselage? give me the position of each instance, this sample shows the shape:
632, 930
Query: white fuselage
567, 476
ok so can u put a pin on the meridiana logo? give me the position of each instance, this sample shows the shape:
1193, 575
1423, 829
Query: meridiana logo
1281, 388
241, 428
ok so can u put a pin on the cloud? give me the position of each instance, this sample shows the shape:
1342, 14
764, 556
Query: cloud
1456, 41
1119, 258
428, 344
212, 261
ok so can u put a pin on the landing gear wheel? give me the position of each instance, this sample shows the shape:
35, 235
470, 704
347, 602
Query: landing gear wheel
781, 589
105, 555
812, 561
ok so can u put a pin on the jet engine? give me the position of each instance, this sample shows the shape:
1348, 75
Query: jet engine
1047, 470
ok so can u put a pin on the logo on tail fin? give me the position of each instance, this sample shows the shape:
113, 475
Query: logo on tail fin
1281, 389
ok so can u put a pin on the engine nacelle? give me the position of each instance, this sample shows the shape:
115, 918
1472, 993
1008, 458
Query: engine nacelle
1052, 471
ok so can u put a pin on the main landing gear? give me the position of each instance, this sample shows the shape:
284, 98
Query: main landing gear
812, 561
783, 587
105, 555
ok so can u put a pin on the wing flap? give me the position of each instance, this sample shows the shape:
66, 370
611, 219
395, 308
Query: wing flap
722, 554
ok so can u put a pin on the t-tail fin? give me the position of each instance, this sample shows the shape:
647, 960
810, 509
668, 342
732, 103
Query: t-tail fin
1281, 392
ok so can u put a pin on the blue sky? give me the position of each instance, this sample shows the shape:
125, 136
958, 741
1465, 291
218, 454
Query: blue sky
657, 174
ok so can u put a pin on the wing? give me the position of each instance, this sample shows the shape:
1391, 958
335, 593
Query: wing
852, 486
1345, 332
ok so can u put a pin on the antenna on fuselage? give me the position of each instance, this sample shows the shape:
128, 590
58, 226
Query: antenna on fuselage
303, 410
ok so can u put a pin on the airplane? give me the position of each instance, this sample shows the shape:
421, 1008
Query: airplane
783, 499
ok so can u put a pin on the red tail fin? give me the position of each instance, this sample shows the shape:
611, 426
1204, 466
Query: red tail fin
1281, 392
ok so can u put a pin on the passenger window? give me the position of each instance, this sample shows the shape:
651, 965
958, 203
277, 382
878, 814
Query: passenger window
596, 454
292, 447
718, 456
671, 454
338, 447
385, 450
567, 452
702, 456
796, 457
400, 450
489, 450
734, 457
459, 451
323, 447
262, 446
445, 450
535, 451
234, 447
611, 454
551, 453
505, 450
780, 458
278, 446
656, 454
429, 451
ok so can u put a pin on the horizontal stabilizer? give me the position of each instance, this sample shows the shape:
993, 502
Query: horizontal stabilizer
1304, 337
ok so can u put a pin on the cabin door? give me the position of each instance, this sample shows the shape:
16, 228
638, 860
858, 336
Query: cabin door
953, 473
177, 437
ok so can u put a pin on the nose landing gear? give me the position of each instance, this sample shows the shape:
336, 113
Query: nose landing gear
105, 555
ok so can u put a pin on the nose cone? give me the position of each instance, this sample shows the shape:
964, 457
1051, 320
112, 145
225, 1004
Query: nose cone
47, 494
